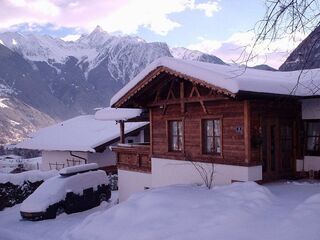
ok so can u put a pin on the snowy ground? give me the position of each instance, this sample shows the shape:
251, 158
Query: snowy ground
12, 227
242, 211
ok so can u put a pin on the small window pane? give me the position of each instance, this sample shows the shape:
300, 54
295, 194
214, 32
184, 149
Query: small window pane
210, 128
179, 148
217, 145
209, 145
313, 138
174, 128
175, 135
314, 129
179, 127
313, 144
217, 127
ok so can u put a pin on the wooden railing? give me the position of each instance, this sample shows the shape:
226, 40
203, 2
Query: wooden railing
133, 157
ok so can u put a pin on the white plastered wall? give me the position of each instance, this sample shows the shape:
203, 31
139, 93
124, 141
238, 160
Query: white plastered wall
130, 182
168, 172
106, 158
59, 157
310, 110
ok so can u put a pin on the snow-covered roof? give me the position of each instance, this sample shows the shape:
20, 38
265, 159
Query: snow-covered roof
82, 133
117, 113
234, 78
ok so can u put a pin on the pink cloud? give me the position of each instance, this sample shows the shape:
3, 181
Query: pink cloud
68, 13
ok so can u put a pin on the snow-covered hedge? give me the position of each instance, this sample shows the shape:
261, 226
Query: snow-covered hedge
56, 189
14, 188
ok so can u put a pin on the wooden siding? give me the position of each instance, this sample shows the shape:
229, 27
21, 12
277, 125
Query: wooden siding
134, 158
231, 114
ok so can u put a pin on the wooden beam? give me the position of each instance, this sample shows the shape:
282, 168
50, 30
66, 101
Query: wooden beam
192, 91
151, 131
247, 131
167, 98
201, 102
186, 100
182, 97
156, 99
122, 136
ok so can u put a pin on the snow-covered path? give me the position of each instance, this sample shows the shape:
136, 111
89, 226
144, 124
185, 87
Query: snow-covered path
12, 227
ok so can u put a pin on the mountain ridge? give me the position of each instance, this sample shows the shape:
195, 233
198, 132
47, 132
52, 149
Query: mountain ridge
63, 79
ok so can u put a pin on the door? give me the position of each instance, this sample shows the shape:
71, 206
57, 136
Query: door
277, 151
287, 151
270, 148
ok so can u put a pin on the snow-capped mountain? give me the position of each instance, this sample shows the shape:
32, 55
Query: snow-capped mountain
184, 53
306, 55
63, 79
89, 50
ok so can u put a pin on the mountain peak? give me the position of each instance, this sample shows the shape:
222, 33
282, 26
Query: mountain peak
98, 29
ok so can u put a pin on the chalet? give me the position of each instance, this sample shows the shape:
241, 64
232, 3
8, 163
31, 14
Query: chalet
85, 139
252, 125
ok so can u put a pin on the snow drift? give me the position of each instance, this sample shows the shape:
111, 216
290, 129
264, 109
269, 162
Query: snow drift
180, 212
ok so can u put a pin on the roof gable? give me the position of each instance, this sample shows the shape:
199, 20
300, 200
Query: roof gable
229, 80
153, 75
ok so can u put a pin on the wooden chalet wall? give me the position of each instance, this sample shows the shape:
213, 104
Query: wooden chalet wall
229, 111
169, 95
193, 103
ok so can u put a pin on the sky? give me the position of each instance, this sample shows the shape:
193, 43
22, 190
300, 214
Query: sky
219, 27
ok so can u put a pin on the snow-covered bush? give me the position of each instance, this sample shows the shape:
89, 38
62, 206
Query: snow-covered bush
113, 181
14, 188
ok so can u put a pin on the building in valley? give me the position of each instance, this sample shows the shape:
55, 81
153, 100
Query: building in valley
250, 125
86, 139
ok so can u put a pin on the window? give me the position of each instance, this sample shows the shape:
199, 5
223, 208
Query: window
175, 136
211, 136
313, 138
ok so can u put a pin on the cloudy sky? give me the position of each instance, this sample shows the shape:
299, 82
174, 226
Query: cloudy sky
219, 27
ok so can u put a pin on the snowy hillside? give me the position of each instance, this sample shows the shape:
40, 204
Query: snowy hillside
18, 119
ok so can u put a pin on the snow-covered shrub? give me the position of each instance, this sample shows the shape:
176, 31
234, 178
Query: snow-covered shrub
14, 188
11, 194
113, 179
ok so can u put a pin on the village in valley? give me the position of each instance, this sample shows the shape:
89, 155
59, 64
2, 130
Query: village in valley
109, 132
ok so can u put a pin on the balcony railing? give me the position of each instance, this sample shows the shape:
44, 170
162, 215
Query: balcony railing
133, 157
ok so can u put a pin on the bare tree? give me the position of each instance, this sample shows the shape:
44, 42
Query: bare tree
284, 19
206, 173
